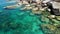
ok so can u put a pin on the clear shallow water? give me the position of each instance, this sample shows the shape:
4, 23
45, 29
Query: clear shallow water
19, 22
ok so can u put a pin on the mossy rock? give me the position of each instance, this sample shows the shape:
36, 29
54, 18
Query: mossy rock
55, 21
48, 28
58, 18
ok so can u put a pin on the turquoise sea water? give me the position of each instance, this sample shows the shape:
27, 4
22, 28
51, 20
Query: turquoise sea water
18, 21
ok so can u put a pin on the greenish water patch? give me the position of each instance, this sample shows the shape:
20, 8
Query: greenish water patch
19, 22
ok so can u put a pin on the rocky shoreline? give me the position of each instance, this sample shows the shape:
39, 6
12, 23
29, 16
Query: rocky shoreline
50, 23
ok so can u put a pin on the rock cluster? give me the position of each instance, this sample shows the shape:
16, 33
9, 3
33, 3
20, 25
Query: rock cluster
50, 25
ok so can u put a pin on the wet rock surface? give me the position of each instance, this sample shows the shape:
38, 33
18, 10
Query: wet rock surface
51, 25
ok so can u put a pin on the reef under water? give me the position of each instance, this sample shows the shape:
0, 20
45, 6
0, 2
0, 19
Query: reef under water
19, 22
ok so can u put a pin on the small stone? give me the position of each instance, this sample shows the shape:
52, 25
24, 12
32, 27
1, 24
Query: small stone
35, 9
55, 24
28, 5
58, 17
42, 9
51, 16
55, 21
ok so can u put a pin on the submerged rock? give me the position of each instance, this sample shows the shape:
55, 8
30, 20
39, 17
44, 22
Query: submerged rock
9, 7
12, 6
48, 28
